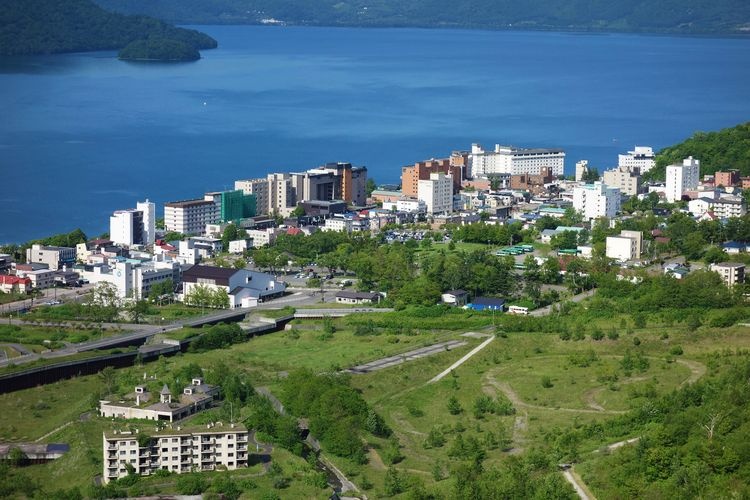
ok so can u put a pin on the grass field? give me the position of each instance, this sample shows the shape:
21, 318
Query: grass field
586, 381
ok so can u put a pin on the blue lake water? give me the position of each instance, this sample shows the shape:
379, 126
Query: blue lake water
82, 135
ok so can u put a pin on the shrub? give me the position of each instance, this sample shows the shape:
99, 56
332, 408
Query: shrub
546, 382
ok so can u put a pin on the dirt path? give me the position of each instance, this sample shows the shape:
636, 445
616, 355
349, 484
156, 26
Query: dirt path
697, 370
519, 403
462, 360
375, 460
578, 485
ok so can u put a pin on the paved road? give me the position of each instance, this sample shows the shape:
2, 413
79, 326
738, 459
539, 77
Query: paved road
379, 364
461, 361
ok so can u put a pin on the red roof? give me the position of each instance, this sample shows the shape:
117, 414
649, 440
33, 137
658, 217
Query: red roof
13, 280
293, 231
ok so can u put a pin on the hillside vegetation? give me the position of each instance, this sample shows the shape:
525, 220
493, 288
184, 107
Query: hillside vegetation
728, 148
49, 27
679, 16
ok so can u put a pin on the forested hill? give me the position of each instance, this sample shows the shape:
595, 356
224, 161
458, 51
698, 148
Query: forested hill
54, 26
671, 16
728, 148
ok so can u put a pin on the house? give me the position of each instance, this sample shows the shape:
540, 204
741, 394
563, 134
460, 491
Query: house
677, 271
14, 284
455, 297
347, 297
34, 453
244, 288
174, 449
487, 304
735, 247
196, 397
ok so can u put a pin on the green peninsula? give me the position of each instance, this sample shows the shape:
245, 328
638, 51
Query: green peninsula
159, 49
51, 27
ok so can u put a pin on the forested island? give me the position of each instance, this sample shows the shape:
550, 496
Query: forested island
50, 27
159, 49
637, 16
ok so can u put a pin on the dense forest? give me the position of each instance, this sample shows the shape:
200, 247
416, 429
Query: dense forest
48, 27
721, 150
159, 49
678, 16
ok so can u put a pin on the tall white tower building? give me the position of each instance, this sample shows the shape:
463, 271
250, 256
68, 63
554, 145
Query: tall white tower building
681, 178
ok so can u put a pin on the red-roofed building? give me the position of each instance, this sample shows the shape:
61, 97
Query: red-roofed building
293, 231
14, 284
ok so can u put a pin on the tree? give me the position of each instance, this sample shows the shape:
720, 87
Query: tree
454, 407
108, 377
393, 483
370, 186
137, 309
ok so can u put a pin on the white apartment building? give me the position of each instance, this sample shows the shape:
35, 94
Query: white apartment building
682, 178
54, 257
260, 188
723, 208
436, 193
40, 278
134, 226
625, 247
190, 216
132, 278
596, 200
731, 272
625, 179
642, 158
514, 161
174, 449
282, 198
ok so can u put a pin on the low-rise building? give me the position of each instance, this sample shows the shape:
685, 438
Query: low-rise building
244, 288
731, 272
55, 257
196, 397
41, 278
174, 449
347, 297
455, 297
487, 304
14, 284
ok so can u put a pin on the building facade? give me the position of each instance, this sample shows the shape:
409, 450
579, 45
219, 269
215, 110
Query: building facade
514, 161
626, 179
190, 216
436, 193
596, 200
420, 171
177, 449
681, 178
260, 189
134, 226
55, 257
641, 158
731, 272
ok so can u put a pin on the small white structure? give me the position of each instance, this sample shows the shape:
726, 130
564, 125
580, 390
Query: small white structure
240, 246
347, 297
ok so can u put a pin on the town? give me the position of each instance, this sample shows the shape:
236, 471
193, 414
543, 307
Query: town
467, 249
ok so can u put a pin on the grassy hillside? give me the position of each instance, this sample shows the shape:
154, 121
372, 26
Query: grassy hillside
49, 26
679, 16
728, 148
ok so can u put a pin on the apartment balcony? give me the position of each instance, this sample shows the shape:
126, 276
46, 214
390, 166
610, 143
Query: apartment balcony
111, 447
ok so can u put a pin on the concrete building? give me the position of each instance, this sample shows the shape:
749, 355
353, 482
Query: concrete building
727, 179
40, 278
175, 449
141, 404
263, 237
131, 277
626, 179
260, 188
420, 171
534, 183
233, 205
244, 288
722, 208
731, 272
190, 216
625, 247
357, 298
134, 226
54, 257
408, 205
682, 178
641, 158
332, 181
596, 200
437, 193
514, 161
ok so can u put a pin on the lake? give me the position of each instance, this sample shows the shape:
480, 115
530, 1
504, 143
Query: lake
84, 134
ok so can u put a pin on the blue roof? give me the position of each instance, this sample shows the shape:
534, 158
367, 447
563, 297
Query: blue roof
488, 301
